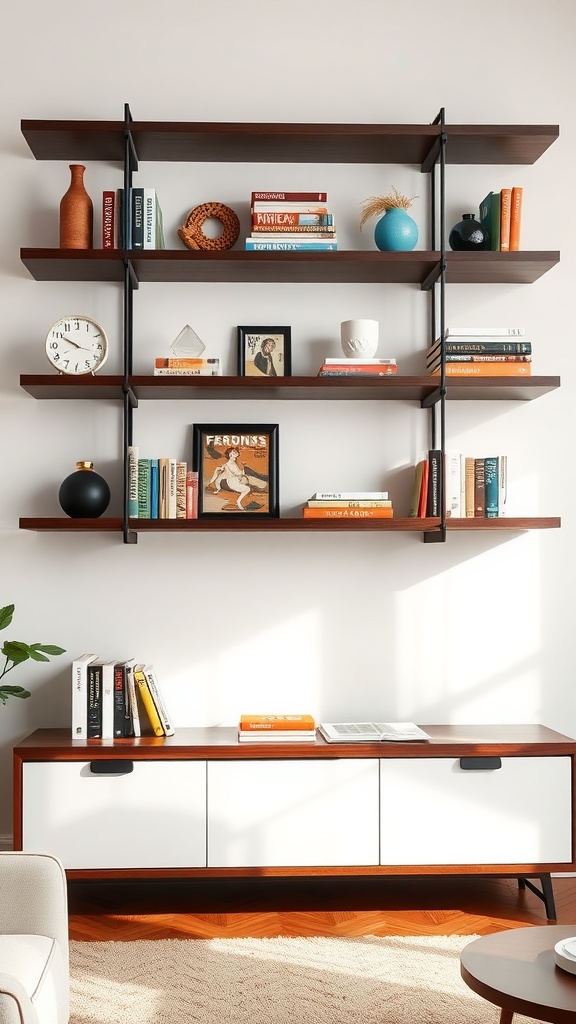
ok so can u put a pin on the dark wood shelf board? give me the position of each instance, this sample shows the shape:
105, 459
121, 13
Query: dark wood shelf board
399, 388
498, 267
341, 267
286, 524
294, 143
511, 523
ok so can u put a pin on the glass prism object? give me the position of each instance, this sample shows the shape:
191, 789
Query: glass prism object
187, 343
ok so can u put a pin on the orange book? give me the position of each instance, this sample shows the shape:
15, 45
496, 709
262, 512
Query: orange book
505, 209
519, 369
277, 722
347, 513
515, 218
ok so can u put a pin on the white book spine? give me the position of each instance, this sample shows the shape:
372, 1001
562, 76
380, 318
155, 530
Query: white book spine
80, 696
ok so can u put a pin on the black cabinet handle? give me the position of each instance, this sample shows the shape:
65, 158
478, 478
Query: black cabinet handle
480, 764
111, 767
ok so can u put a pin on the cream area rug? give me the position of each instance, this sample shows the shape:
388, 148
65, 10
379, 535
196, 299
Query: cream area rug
364, 980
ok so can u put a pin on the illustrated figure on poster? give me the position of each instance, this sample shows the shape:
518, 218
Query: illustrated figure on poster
233, 473
264, 359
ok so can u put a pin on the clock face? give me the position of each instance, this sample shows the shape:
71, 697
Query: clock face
76, 345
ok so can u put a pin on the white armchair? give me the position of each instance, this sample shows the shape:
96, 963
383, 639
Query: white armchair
34, 958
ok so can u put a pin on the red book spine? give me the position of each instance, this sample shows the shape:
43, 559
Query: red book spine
108, 220
290, 197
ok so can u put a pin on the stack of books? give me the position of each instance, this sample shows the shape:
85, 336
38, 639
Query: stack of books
291, 221
164, 488
354, 505
482, 352
187, 366
500, 215
276, 728
146, 227
116, 700
343, 367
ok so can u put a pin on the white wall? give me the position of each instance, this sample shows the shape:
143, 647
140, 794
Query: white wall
478, 629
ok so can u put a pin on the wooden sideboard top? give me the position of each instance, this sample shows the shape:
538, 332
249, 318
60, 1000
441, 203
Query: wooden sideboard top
221, 743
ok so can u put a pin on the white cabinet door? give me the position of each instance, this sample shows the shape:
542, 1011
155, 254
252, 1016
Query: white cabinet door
297, 813
434, 812
153, 817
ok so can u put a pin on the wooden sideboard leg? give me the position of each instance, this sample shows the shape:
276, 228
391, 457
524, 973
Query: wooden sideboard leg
546, 894
506, 1016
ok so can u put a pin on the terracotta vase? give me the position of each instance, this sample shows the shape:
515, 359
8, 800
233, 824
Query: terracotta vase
76, 213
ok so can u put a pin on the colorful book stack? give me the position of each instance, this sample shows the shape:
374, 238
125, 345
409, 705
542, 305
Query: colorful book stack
145, 226
342, 367
291, 222
353, 505
116, 700
164, 488
481, 352
276, 728
501, 216
185, 366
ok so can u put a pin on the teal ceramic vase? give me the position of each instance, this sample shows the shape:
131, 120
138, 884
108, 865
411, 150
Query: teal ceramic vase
396, 231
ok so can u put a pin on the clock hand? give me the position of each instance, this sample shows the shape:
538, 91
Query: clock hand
70, 342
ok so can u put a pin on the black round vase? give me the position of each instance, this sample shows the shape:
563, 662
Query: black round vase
84, 494
469, 235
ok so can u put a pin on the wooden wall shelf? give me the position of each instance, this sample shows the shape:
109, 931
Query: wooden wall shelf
292, 143
399, 388
341, 267
283, 525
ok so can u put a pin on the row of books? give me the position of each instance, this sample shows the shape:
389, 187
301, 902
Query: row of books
501, 217
484, 353
145, 223
291, 221
164, 488
116, 700
338, 366
276, 728
352, 505
187, 367
476, 487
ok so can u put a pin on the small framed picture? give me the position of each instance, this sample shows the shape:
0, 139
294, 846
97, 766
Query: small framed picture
237, 465
264, 352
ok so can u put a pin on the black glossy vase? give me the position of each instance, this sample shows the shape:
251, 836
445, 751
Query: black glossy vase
84, 494
469, 235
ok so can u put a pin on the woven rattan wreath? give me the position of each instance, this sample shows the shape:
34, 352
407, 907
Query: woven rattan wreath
193, 236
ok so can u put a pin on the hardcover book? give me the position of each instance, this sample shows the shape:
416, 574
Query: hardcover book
348, 495
147, 700
108, 220
159, 699
328, 512
256, 245
289, 197
490, 218
505, 210
491, 486
515, 218
274, 723
80, 695
137, 218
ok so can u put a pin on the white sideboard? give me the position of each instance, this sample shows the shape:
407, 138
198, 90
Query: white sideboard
475, 799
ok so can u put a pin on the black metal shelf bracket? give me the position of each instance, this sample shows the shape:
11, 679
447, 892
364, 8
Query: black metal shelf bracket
130, 284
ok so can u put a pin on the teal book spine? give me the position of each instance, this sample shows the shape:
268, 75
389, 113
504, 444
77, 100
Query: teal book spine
491, 486
133, 482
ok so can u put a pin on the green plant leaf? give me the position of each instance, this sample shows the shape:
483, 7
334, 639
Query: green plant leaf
15, 651
13, 691
6, 615
48, 649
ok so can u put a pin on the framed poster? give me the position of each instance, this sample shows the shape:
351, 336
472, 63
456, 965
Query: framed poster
264, 352
237, 465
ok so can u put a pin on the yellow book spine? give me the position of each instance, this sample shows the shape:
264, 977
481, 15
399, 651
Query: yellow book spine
149, 705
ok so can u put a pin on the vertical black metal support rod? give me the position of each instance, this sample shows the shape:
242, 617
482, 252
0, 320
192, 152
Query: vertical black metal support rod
130, 162
443, 322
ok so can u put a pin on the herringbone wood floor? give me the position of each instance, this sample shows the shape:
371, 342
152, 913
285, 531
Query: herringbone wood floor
267, 907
